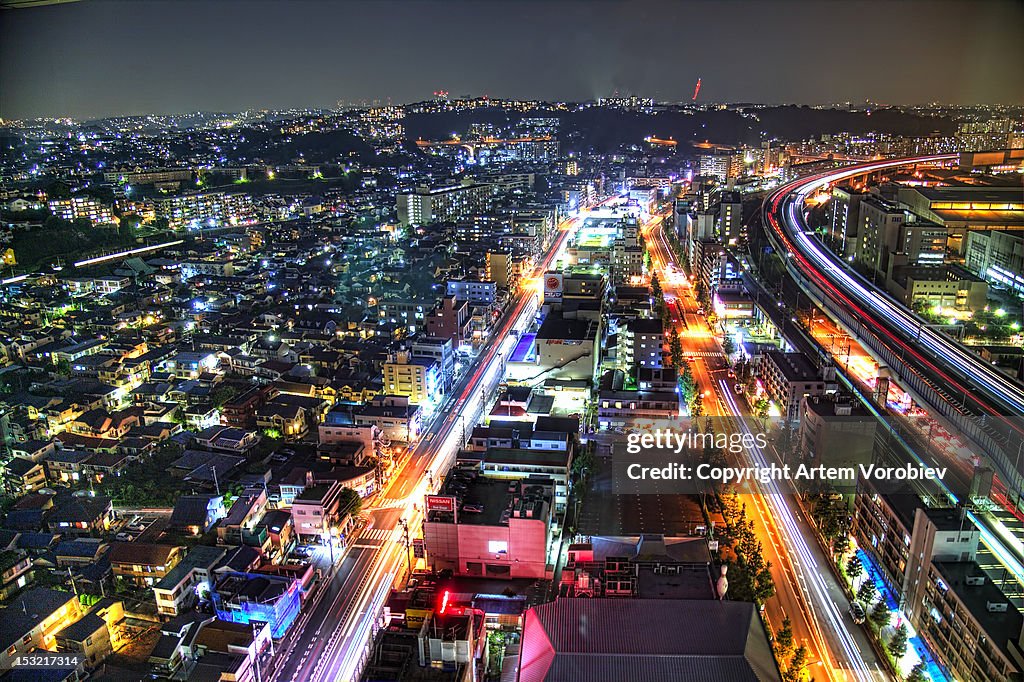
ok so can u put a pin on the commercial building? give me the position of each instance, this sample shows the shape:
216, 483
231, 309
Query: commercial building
395, 417
836, 431
877, 233
490, 528
449, 320
483, 293
730, 219
945, 286
715, 165
642, 639
503, 269
620, 408
519, 463
965, 209
844, 219
998, 257
567, 349
316, 510
441, 351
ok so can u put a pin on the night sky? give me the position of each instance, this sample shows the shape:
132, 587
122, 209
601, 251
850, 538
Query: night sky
102, 57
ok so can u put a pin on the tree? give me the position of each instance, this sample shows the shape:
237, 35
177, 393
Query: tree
687, 383
880, 614
841, 545
784, 638
867, 592
656, 292
222, 394
697, 405
898, 644
62, 367
854, 568
582, 462
675, 346
761, 406
764, 585
797, 664
351, 502
917, 673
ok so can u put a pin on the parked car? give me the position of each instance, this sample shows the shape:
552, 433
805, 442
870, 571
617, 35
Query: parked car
857, 613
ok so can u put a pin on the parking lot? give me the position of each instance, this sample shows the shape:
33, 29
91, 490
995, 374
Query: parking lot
604, 513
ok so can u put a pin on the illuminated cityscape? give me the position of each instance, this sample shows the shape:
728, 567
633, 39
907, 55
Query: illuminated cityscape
522, 342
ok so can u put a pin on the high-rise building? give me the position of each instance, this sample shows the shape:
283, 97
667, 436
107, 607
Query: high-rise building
715, 165
878, 232
427, 205
844, 216
730, 218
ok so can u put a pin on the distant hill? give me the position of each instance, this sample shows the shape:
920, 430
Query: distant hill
604, 130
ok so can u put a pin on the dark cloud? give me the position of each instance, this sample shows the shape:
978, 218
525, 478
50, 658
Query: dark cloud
107, 56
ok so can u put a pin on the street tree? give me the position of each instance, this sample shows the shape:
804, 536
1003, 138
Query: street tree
867, 592
898, 643
880, 614
854, 568
917, 673
784, 638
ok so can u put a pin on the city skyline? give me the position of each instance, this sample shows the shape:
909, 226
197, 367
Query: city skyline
349, 341
113, 58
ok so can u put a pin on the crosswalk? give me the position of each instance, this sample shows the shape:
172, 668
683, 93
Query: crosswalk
389, 503
376, 534
704, 354
374, 538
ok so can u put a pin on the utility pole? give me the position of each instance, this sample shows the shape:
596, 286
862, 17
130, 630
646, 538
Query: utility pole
405, 533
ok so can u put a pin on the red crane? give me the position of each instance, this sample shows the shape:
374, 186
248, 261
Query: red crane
696, 90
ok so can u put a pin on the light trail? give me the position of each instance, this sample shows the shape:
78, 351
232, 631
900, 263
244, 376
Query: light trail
124, 254
352, 633
907, 330
817, 597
